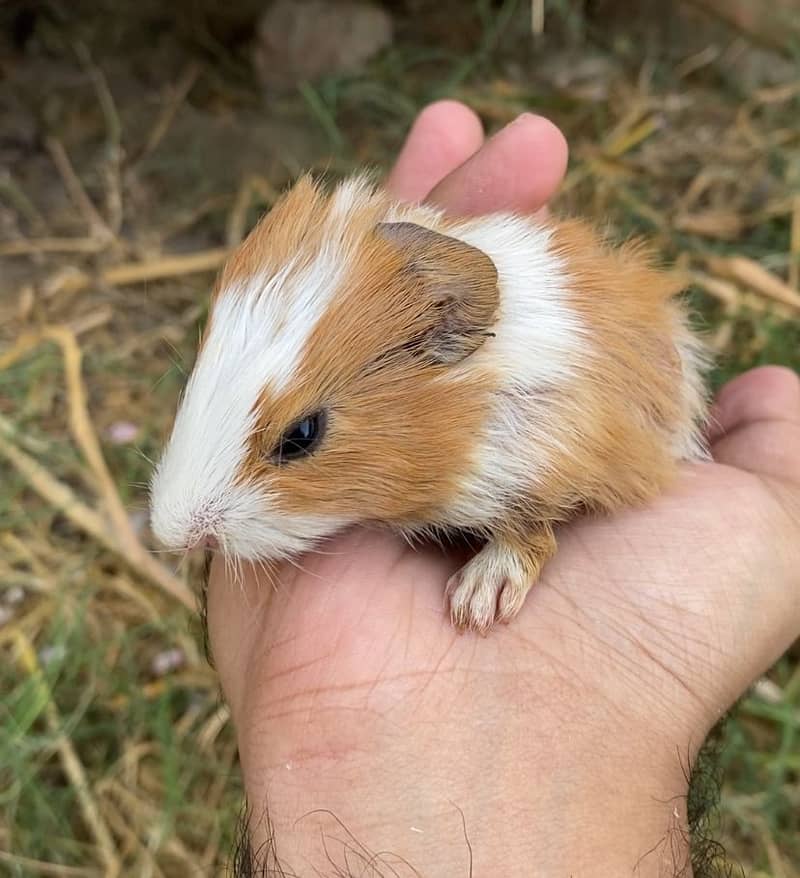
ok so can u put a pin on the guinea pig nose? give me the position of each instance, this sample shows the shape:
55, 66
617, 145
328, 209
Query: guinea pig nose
207, 541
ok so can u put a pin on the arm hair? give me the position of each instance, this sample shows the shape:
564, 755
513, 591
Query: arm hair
351, 859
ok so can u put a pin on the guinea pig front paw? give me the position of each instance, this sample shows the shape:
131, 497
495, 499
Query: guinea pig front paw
493, 585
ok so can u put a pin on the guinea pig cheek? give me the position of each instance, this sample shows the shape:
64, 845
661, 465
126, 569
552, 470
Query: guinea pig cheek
262, 522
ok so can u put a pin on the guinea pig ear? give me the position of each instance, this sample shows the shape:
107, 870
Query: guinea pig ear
460, 282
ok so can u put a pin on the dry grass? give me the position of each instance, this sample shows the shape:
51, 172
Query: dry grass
120, 191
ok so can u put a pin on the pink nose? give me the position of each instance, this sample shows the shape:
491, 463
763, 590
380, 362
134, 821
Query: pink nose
207, 541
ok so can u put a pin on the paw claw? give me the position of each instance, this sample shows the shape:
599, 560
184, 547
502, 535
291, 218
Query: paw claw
472, 602
490, 588
510, 601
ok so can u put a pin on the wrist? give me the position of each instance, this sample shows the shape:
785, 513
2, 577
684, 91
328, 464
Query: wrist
327, 820
535, 788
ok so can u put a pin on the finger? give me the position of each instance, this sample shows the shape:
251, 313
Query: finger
518, 169
767, 448
766, 393
757, 417
444, 135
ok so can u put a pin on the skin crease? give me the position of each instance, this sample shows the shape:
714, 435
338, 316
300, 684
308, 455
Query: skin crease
558, 744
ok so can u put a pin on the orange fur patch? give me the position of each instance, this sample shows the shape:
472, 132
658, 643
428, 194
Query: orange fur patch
620, 415
396, 420
283, 234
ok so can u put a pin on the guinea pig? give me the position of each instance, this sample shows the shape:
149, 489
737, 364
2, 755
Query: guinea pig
371, 361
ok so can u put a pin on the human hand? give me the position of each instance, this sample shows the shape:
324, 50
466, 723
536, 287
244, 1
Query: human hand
560, 740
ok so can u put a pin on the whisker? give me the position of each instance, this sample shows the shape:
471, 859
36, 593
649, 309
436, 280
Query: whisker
327, 554
141, 454
270, 573
297, 565
226, 558
260, 431
181, 565
234, 571
159, 381
177, 360
409, 538
240, 570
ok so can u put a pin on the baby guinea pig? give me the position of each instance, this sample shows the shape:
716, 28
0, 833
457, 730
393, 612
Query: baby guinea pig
370, 361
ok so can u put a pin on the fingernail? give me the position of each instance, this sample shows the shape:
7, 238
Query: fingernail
523, 117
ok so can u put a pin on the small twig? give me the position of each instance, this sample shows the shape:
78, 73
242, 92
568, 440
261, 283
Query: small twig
237, 218
794, 246
93, 320
134, 595
73, 768
617, 140
80, 423
16, 549
697, 61
537, 17
40, 867
139, 272
140, 812
756, 277
113, 163
212, 799
780, 867
723, 291
178, 94
213, 726
721, 337
16, 195
60, 496
699, 185
30, 246
33, 620
723, 225
96, 224
735, 299
135, 848
84, 434
176, 849
625, 139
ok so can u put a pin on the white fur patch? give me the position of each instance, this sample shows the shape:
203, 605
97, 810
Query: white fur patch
539, 347
357, 191
490, 586
243, 519
540, 344
689, 443
256, 340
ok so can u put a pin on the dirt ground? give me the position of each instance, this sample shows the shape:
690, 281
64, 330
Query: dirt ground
138, 142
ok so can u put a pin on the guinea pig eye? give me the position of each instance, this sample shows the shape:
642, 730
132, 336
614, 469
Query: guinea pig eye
301, 439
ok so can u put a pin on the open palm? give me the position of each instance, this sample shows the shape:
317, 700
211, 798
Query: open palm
352, 694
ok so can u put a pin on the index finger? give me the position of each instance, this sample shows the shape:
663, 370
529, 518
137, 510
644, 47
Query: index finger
519, 169
444, 135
